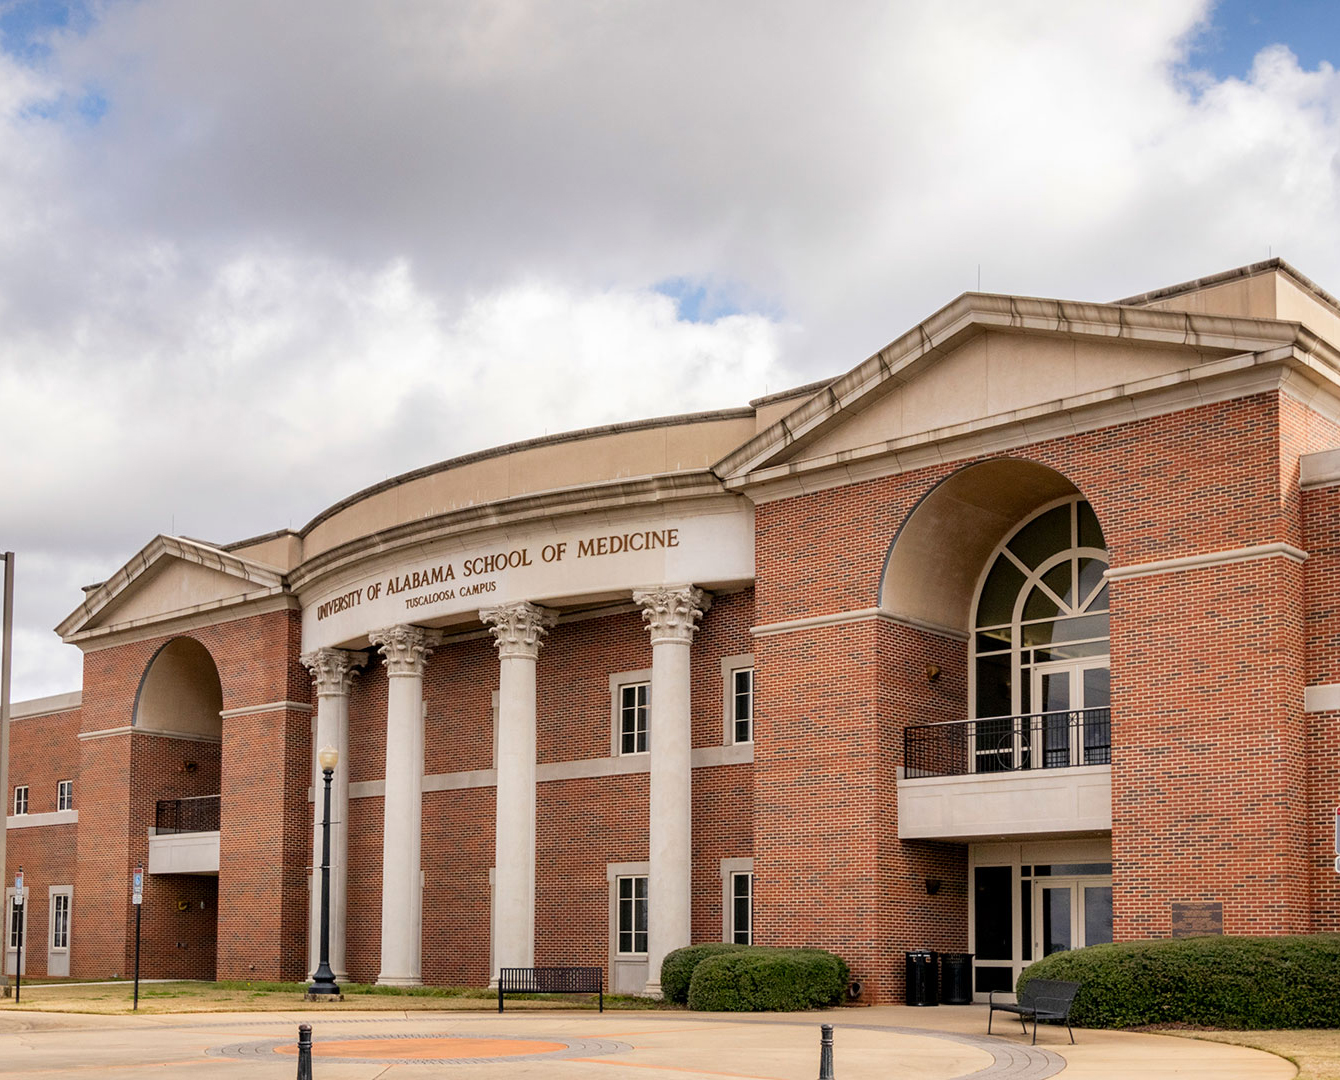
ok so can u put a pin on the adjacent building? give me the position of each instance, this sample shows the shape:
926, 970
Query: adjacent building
1022, 634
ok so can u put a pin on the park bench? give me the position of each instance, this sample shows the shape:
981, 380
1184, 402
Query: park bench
1041, 999
551, 980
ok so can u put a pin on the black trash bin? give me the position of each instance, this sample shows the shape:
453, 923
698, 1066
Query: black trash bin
956, 978
922, 981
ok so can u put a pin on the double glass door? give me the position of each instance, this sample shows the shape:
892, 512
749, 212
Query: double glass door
1074, 698
1070, 913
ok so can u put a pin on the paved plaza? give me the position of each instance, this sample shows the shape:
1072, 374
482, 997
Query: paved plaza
888, 1043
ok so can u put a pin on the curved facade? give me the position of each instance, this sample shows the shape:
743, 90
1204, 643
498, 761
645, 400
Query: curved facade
1016, 637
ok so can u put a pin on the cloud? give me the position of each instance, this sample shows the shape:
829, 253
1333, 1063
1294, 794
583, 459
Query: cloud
254, 256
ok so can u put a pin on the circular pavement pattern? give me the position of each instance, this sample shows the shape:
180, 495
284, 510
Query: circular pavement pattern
421, 1049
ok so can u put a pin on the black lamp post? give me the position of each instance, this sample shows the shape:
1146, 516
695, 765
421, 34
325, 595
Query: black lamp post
323, 984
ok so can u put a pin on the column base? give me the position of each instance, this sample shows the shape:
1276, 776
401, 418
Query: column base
653, 990
397, 980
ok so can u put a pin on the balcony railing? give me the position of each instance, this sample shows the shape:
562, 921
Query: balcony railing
1000, 744
198, 814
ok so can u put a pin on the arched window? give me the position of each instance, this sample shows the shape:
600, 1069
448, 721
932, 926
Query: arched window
1040, 644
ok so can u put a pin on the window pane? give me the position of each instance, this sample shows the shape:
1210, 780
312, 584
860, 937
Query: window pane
1086, 626
1039, 605
1026, 918
1043, 537
1097, 914
742, 908
1056, 920
744, 706
1058, 579
995, 978
991, 912
998, 593
1090, 577
1090, 535
993, 685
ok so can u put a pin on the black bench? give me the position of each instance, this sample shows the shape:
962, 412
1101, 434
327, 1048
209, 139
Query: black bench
552, 980
1041, 999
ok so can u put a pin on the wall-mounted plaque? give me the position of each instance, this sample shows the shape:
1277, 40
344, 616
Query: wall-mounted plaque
1194, 920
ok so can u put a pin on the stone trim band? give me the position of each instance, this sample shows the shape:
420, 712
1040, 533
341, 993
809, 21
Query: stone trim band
1209, 558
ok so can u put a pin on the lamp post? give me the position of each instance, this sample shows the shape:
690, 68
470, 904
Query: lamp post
323, 981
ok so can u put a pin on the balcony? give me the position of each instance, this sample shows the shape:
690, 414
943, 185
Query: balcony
1044, 774
185, 836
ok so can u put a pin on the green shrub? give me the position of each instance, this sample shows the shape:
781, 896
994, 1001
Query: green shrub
758, 979
677, 967
1225, 982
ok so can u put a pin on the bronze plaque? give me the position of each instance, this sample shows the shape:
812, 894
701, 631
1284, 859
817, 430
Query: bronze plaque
1195, 920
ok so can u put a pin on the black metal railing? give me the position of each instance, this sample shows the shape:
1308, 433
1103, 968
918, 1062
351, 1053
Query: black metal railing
1050, 740
198, 814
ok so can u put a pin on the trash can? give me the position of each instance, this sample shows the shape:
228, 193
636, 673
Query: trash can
922, 984
956, 978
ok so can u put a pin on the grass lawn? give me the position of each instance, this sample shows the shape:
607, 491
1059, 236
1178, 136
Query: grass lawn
184, 997
1316, 1051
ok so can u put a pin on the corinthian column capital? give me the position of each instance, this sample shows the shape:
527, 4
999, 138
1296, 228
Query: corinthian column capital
518, 627
405, 649
672, 611
333, 670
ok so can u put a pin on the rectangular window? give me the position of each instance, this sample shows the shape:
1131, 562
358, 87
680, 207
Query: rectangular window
742, 908
633, 706
742, 702
632, 915
60, 920
21, 800
65, 795
13, 936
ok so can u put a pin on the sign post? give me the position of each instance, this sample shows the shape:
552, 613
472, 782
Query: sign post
18, 918
137, 898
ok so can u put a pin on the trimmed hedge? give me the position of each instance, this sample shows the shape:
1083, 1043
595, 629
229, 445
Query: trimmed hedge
759, 979
1224, 982
677, 967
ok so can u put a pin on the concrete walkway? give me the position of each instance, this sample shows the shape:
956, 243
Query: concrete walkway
888, 1043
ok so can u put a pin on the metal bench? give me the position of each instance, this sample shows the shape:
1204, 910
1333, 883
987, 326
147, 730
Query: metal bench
1041, 999
552, 980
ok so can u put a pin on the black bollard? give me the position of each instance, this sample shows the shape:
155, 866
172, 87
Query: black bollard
826, 1052
304, 1052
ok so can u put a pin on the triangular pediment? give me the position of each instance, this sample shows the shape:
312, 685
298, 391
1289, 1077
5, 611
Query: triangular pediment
170, 578
986, 359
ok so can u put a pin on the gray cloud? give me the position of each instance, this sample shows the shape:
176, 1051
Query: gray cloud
310, 245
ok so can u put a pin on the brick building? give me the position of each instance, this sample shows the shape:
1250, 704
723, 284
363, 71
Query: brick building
1022, 634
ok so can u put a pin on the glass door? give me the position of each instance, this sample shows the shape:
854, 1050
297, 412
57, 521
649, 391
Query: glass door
1074, 697
1070, 913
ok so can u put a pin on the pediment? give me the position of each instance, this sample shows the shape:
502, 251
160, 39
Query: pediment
985, 359
171, 577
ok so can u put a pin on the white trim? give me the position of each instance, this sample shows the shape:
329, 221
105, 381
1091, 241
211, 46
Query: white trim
46, 706
14, 811
184, 736
35, 821
836, 618
729, 868
269, 706
54, 891
457, 781
173, 622
618, 680
1208, 558
1319, 470
1324, 697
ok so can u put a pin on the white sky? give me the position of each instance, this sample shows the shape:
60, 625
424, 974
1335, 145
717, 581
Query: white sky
255, 256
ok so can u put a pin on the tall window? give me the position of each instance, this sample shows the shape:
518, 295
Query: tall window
742, 908
633, 704
742, 702
632, 915
14, 912
60, 920
65, 795
21, 800
1040, 644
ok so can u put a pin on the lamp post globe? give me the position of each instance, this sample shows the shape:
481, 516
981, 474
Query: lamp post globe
323, 980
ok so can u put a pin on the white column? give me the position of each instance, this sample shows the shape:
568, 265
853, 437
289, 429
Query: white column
672, 613
333, 671
517, 629
405, 650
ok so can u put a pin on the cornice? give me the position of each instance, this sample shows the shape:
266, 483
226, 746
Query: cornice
268, 580
546, 506
176, 622
975, 313
1233, 377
